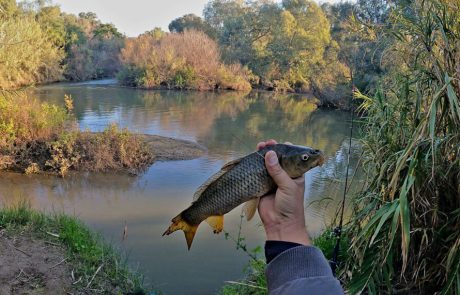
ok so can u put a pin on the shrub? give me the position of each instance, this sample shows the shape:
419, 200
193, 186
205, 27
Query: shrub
27, 55
36, 136
188, 60
23, 118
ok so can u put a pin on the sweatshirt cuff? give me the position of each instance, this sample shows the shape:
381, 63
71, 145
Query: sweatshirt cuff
274, 248
297, 263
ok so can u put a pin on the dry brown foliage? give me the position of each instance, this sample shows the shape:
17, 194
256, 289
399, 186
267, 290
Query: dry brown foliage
188, 60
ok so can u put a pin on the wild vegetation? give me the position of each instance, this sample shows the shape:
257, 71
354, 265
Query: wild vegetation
40, 137
95, 264
294, 45
404, 56
404, 233
41, 44
187, 60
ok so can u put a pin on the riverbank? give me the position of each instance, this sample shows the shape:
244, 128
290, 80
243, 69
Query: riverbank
37, 137
44, 253
111, 150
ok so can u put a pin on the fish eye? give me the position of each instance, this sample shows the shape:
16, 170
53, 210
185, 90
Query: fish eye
305, 157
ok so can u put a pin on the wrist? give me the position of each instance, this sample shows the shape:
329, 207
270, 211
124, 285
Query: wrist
288, 232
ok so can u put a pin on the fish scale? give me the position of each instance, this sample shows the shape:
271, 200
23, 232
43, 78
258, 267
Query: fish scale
241, 181
248, 180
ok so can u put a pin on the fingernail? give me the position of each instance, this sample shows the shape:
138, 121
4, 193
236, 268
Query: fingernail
272, 158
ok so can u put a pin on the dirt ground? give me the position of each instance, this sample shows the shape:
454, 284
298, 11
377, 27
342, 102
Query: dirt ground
170, 149
30, 266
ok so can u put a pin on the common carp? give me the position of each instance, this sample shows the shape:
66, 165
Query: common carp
243, 180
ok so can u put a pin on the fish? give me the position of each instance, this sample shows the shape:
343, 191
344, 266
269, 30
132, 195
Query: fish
243, 180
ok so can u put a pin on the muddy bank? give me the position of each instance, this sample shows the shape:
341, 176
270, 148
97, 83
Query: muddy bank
42, 253
31, 266
112, 150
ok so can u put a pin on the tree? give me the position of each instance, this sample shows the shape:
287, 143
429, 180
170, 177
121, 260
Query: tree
27, 55
190, 22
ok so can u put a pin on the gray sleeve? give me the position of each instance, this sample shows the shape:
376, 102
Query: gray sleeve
301, 270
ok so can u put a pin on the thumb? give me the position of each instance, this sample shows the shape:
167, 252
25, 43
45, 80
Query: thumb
280, 176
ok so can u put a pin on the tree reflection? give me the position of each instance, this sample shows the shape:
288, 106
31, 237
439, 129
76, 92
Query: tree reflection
225, 122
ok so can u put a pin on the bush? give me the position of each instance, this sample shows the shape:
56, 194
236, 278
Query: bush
24, 118
40, 137
27, 56
188, 60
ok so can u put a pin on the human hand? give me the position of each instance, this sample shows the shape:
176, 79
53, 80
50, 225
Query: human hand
282, 213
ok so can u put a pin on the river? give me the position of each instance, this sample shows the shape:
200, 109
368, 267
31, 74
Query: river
229, 124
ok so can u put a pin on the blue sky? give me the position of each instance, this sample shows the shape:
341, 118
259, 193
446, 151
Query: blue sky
134, 17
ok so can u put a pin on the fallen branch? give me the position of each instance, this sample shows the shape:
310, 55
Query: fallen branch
244, 284
58, 263
76, 282
94, 275
53, 234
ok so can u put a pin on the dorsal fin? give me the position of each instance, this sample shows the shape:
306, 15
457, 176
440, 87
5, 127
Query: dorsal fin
214, 177
230, 164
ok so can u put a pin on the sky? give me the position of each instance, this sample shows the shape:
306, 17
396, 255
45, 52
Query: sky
134, 17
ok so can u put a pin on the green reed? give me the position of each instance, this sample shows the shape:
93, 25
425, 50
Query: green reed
405, 229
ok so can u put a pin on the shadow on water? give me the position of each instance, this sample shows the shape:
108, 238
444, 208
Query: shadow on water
229, 124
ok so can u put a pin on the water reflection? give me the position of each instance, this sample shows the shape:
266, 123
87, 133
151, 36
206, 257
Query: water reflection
229, 124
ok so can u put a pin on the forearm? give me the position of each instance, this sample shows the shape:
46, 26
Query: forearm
293, 268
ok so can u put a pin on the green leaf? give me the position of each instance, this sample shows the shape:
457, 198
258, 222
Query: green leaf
383, 220
453, 99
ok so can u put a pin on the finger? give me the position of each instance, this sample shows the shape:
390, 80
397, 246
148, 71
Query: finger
266, 201
288, 142
271, 142
300, 180
261, 145
280, 176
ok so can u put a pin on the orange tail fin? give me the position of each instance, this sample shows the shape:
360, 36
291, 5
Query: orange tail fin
189, 229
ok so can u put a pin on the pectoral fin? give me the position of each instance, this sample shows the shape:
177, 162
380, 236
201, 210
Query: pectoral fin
189, 229
216, 222
250, 208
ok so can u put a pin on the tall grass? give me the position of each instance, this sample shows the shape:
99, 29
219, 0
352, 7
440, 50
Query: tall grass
405, 231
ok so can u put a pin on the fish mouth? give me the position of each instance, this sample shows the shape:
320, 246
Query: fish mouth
321, 159
319, 155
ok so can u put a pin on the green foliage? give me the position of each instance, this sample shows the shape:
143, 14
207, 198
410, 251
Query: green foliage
40, 44
131, 76
327, 241
254, 284
92, 48
190, 22
27, 53
287, 46
404, 231
86, 251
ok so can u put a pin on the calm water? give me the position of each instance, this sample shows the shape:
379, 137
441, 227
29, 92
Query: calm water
229, 125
